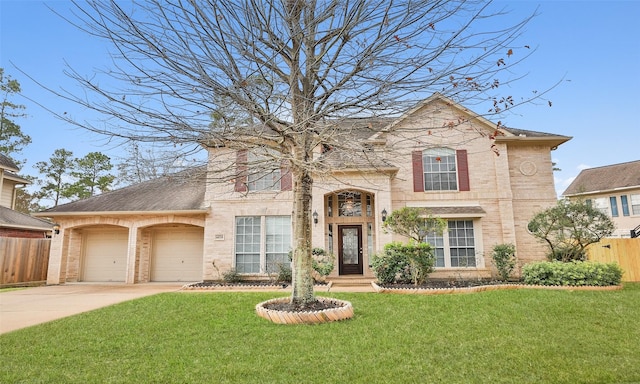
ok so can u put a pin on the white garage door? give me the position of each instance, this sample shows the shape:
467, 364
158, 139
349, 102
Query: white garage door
176, 254
105, 255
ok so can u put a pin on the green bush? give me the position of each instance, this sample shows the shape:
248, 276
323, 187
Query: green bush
322, 261
574, 273
504, 258
564, 254
403, 263
284, 273
231, 276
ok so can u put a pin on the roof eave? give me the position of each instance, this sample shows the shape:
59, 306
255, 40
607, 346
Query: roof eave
552, 141
28, 227
618, 189
121, 213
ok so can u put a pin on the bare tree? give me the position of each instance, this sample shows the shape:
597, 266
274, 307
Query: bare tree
145, 163
295, 74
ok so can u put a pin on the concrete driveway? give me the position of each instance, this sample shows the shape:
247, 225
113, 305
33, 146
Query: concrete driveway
30, 306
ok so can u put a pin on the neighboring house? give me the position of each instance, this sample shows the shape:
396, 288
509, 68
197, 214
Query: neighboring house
614, 190
14, 223
485, 180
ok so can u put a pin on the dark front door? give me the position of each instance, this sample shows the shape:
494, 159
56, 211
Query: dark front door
350, 249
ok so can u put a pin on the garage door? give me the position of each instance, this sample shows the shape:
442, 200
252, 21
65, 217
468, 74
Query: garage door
176, 254
105, 255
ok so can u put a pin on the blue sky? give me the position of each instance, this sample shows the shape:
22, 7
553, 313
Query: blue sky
593, 45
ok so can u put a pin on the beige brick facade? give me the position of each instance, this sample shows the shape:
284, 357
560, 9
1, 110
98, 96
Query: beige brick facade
510, 179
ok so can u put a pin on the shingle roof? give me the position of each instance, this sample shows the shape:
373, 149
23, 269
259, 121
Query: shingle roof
525, 132
7, 163
606, 178
183, 191
14, 219
339, 160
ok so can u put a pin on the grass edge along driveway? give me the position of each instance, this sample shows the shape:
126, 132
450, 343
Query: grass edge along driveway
515, 336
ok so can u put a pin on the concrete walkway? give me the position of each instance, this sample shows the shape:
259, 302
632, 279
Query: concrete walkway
30, 306
23, 308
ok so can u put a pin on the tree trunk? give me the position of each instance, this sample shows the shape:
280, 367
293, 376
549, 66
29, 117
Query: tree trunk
302, 293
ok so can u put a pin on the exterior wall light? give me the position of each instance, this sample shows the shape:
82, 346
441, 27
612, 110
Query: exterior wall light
384, 215
315, 217
56, 229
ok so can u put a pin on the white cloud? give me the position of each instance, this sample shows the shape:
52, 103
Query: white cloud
562, 184
583, 167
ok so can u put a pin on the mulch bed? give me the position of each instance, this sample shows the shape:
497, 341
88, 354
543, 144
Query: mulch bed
290, 307
445, 284
241, 284
257, 284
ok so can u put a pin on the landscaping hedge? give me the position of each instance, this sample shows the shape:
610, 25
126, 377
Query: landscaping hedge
574, 273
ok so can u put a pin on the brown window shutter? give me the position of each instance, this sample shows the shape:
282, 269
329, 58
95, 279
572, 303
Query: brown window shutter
418, 174
286, 183
463, 170
241, 169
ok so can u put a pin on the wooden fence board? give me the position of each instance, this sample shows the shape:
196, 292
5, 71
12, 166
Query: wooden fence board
23, 260
625, 252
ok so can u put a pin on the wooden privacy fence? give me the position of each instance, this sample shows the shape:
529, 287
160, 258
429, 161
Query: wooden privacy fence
625, 252
23, 261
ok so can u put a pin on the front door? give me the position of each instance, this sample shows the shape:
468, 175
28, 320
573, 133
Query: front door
350, 249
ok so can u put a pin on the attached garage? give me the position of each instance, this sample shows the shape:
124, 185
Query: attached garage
176, 254
105, 255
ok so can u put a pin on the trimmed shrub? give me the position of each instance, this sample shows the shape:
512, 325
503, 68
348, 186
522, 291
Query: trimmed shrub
322, 261
231, 276
504, 258
403, 263
574, 273
284, 273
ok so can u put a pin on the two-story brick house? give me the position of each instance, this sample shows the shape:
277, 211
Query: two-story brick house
485, 180
613, 189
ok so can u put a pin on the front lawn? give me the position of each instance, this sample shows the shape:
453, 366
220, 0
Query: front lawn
514, 336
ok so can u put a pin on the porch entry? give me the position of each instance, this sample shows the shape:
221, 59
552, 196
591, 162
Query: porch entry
350, 249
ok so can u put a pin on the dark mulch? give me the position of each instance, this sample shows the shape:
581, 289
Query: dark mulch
245, 284
444, 284
239, 284
297, 307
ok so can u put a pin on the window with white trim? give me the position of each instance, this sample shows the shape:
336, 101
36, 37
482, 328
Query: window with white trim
614, 206
635, 204
439, 167
455, 247
602, 205
625, 205
262, 243
260, 177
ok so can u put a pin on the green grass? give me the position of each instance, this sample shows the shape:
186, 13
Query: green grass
516, 336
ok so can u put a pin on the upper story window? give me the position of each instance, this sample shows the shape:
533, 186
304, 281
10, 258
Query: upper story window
625, 205
440, 169
261, 176
614, 206
635, 204
259, 172
602, 205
